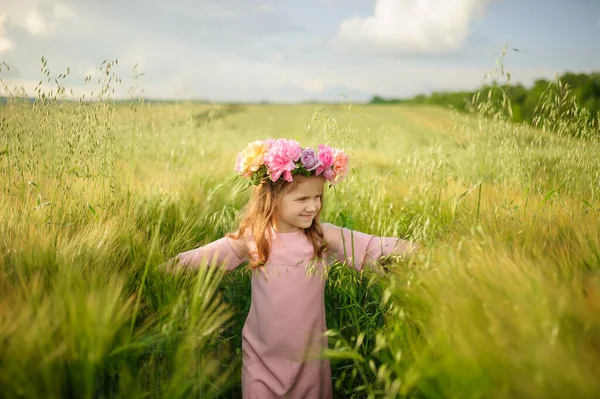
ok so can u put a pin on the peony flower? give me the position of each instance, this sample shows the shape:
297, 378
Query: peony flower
340, 164
326, 158
328, 175
309, 159
281, 157
252, 157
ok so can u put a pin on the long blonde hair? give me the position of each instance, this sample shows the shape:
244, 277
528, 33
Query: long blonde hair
259, 216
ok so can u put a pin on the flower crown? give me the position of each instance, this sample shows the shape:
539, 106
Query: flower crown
271, 159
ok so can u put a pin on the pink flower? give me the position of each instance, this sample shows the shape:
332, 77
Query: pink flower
340, 164
328, 175
326, 158
238, 163
281, 157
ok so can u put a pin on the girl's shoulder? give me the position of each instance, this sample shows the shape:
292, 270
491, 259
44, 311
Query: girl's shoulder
241, 243
331, 234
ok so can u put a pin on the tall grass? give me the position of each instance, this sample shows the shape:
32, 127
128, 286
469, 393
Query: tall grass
504, 300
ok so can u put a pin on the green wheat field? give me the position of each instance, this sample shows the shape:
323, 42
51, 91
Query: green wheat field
502, 302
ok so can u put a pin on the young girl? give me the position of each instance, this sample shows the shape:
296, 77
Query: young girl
288, 250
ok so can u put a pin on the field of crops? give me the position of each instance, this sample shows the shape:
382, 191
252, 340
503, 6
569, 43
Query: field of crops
502, 302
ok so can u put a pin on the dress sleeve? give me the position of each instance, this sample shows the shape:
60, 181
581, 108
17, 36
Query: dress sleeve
359, 249
220, 252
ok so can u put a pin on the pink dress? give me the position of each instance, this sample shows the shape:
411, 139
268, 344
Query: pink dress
283, 334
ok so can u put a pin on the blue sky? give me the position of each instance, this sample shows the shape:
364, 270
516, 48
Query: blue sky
288, 51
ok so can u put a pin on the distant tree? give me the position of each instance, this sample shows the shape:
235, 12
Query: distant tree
377, 100
569, 89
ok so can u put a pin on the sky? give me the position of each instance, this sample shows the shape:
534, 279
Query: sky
294, 50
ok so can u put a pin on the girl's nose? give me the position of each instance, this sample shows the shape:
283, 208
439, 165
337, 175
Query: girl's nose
313, 206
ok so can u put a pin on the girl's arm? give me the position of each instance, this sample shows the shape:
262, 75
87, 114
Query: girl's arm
360, 249
226, 252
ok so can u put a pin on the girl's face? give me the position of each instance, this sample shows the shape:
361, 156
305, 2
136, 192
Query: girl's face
298, 208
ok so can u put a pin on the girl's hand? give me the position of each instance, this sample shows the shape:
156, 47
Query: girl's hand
413, 247
169, 266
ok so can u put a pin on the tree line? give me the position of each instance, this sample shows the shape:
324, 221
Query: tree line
569, 89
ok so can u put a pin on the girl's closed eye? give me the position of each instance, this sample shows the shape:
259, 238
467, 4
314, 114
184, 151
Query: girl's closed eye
305, 198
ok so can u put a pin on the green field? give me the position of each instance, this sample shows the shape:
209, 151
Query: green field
502, 302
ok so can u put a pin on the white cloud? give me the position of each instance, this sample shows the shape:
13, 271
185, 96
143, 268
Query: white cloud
35, 16
5, 43
35, 23
412, 26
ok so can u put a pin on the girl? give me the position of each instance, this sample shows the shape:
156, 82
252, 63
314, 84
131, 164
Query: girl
288, 248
